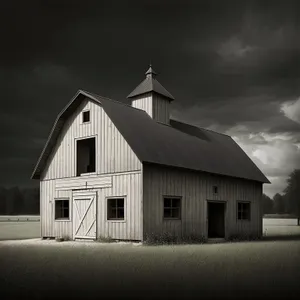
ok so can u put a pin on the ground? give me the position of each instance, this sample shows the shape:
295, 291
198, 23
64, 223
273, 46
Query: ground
49, 269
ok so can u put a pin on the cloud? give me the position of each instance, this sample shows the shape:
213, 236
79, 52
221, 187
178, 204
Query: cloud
234, 49
276, 155
234, 77
291, 110
258, 125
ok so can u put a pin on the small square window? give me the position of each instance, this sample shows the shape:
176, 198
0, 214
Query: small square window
62, 209
172, 208
215, 189
243, 211
86, 116
115, 209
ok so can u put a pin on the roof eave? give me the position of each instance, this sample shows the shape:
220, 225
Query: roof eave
133, 95
36, 174
203, 171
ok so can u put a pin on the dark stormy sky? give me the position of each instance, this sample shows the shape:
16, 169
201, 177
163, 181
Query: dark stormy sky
232, 66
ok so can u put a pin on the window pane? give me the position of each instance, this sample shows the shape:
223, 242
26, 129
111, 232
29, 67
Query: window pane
171, 208
57, 209
112, 213
86, 116
120, 213
120, 203
167, 213
176, 202
247, 211
115, 208
113, 203
239, 215
167, 202
61, 209
176, 213
239, 206
66, 213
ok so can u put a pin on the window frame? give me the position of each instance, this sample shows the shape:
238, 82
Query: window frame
82, 116
171, 207
69, 208
237, 210
124, 197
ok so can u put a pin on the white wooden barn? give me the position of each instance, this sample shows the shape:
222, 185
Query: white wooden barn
127, 172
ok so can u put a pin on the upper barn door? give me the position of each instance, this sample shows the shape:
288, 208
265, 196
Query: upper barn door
85, 213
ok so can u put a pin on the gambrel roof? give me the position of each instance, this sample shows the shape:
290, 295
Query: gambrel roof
177, 145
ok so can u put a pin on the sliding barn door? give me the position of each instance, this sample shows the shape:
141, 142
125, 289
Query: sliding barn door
85, 213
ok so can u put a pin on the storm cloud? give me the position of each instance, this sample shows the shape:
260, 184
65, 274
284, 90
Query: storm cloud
232, 66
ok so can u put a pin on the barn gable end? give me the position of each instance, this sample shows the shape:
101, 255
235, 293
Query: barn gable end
113, 154
117, 174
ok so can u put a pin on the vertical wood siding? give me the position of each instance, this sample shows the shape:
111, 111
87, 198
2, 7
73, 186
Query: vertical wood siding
196, 189
161, 109
156, 106
113, 154
50, 227
115, 162
144, 102
128, 185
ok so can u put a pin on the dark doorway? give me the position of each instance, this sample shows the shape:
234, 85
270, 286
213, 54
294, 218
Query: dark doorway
216, 219
86, 156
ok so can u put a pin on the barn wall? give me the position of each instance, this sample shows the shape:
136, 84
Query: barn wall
156, 106
127, 184
195, 190
144, 102
50, 227
161, 109
113, 154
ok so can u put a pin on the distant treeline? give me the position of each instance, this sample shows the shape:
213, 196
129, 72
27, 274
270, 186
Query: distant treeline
289, 201
19, 201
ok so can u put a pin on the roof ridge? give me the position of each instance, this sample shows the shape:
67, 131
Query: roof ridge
113, 100
201, 127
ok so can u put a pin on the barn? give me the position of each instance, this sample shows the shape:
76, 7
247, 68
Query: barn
127, 171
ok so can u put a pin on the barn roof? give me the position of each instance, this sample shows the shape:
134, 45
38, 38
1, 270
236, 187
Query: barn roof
178, 144
150, 84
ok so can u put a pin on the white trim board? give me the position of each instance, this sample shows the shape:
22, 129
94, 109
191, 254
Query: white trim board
93, 181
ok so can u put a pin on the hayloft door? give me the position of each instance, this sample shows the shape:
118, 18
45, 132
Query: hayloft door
85, 215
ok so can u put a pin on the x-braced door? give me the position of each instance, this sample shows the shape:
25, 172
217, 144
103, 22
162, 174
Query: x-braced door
85, 212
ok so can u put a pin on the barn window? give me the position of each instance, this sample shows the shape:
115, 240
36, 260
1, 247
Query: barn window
86, 159
215, 189
243, 211
86, 116
172, 207
115, 209
62, 211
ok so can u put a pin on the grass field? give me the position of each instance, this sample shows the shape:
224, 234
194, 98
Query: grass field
48, 269
19, 227
41, 269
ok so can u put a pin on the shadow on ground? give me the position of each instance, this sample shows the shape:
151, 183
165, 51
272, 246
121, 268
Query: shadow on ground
75, 270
